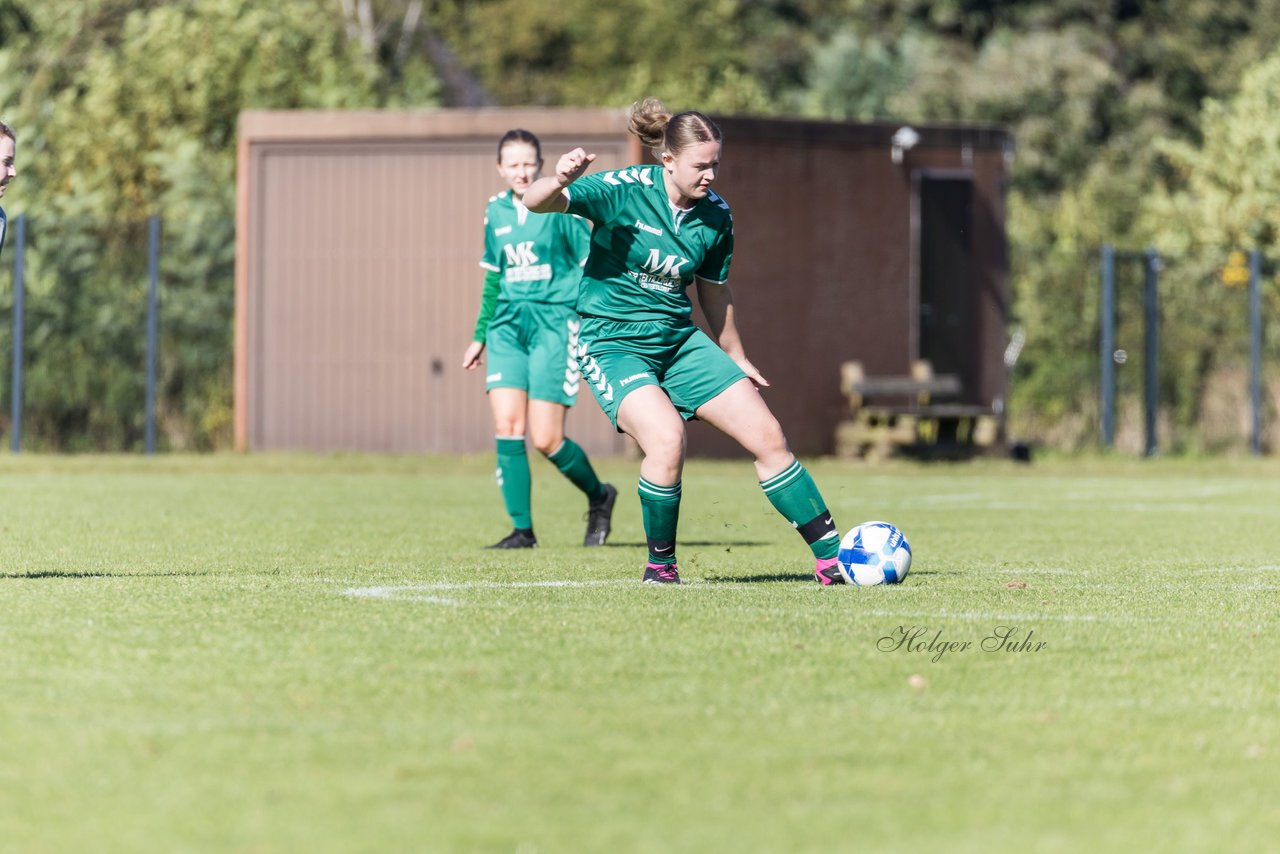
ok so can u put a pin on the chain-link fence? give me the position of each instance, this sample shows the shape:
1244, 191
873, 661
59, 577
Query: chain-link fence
1184, 353
118, 334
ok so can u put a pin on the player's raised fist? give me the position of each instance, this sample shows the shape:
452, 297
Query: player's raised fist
572, 165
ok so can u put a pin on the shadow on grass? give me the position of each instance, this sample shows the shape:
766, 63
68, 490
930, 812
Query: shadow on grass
766, 578
49, 573
760, 579
685, 543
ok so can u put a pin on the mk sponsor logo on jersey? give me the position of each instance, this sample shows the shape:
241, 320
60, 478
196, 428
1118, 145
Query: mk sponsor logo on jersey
659, 273
627, 176
520, 254
522, 263
657, 232
660, 266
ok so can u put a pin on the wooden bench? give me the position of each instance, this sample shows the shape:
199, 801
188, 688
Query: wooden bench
913, 413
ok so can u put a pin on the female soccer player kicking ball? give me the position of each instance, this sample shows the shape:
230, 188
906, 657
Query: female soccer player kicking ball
529, 326
659, 228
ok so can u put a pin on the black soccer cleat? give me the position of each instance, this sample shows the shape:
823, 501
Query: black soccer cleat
600, 518
661, 573
519, 538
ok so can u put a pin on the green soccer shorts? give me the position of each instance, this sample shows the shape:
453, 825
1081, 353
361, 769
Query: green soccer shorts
618, 357
533, 346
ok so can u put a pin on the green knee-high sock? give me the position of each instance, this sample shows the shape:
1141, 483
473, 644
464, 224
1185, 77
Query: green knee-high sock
514, 481
573, 464
794, 494
660, 506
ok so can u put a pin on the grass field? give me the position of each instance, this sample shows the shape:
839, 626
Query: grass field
271, 654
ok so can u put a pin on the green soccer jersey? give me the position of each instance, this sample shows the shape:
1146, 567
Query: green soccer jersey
644, 251
539, 256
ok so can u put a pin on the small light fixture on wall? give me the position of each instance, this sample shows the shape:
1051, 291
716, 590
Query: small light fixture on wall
904, 139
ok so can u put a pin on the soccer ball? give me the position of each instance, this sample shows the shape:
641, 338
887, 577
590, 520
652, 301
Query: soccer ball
874, 553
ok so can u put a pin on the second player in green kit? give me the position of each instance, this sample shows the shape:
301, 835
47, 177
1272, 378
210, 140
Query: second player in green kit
657, 230
528, 325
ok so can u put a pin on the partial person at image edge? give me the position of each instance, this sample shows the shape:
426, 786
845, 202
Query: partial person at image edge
8, 155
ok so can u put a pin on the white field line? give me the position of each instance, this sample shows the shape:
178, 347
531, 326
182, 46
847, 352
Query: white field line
1094, 505
989, 616
411, 593
1110, 491
430, 593
948, 498
1178, 500
489, 585
423, 593
1144, 506
397, 595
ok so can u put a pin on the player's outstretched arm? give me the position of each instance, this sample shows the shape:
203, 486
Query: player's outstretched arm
544, 196
716, 301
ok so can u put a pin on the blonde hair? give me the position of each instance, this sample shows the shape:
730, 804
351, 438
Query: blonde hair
659, 130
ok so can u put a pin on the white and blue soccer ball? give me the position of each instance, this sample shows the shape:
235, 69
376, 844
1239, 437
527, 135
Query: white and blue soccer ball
874, 553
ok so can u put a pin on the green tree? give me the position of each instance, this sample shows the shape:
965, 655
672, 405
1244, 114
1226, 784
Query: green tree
1223, 191
1222, 196
128, 107
127, 110
722, 56
852, 77
1085, 86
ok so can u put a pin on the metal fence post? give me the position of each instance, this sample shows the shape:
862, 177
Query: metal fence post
1255, 347
19, 310
153, 278
1107, 321
1151, 315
